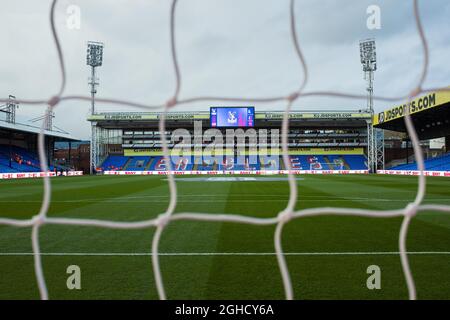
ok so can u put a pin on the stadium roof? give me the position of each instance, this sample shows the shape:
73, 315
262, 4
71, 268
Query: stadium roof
333, 118
26, 128
430, 114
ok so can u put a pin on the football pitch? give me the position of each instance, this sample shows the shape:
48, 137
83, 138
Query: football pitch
328, 256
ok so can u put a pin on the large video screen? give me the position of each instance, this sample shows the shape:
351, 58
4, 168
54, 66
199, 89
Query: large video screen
223, 117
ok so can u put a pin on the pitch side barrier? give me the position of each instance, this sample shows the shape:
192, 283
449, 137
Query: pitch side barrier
415, 173
236, 172
23, 175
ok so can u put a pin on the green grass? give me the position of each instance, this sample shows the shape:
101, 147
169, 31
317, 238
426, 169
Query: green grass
124, 198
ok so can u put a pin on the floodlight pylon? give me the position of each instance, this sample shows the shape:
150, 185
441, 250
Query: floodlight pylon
368, 57
94, 58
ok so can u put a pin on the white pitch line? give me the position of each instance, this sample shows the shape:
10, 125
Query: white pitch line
223, 253
220, 200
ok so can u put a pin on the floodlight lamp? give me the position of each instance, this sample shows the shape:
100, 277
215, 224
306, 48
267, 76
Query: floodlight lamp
368, 55
94, 56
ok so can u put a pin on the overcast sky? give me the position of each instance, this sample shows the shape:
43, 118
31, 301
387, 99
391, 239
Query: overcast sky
225, 48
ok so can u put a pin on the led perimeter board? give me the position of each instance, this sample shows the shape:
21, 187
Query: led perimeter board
232, 117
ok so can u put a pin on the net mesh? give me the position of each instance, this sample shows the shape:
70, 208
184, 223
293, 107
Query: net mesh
283, 217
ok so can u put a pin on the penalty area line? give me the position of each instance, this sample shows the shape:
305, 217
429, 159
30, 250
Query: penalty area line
223, 253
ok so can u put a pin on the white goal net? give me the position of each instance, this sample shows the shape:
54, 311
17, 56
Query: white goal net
287, 214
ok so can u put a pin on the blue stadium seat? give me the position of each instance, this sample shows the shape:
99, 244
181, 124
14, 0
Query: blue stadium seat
22, 160
137, 163
189, 163
114, 163
441, 163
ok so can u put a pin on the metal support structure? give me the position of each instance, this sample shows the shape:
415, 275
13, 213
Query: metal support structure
102, 141
408, 143
70, 155
50, 151
10, 109
94, 59
10, 150
48, 120
93, 145
372, 139
369, 146
379, 152
93, 148
369, 64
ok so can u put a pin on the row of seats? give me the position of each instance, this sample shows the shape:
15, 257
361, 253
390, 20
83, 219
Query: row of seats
114, 163
17, 159
441, 163
194, 163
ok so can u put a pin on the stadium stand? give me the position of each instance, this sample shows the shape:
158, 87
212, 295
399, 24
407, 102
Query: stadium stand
138, 163
187, 163
114, 163
324, 140
19, 145
441, 163
16, 159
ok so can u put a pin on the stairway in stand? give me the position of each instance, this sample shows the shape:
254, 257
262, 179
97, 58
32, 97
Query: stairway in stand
125, 167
